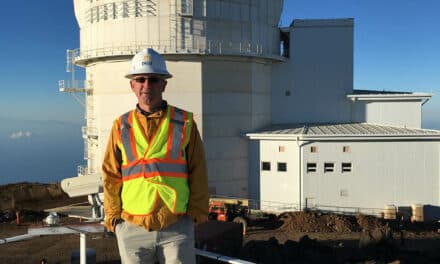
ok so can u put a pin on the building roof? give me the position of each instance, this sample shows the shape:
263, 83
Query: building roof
332, 22
357, 91
341, 131
374, 95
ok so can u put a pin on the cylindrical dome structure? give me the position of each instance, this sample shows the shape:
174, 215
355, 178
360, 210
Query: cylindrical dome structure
240, 27
220, 53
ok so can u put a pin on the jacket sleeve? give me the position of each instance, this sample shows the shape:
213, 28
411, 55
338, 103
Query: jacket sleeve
112, 180
198, 178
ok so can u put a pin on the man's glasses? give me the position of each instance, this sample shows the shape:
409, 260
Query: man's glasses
151, 80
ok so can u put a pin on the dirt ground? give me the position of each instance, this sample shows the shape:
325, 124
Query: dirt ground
292, 237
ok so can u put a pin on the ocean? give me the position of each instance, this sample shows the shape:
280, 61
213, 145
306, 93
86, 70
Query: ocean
39, 151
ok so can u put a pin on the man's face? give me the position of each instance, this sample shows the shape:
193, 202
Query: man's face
148, 89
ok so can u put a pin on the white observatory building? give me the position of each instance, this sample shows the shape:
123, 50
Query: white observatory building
220, 53
275, 106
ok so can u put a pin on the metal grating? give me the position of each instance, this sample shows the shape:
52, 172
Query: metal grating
122, 9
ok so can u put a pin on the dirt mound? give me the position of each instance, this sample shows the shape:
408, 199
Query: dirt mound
322, 222
26, 195
34, 196
368, 222
30, 199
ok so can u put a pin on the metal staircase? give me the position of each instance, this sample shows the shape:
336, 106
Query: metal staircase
173, 25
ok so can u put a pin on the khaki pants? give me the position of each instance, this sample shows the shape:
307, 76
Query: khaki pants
174, 244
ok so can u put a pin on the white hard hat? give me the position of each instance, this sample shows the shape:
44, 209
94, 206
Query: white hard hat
148, 61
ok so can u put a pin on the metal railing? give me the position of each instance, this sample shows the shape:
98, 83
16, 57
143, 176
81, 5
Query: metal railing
82, 170
280, 207
269, 206
347, 210
71, 85
272, 206
88, 131
208, 47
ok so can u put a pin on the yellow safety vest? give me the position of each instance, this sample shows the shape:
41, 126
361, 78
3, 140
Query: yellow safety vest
158, 168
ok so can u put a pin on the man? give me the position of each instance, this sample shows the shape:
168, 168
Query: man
155, 176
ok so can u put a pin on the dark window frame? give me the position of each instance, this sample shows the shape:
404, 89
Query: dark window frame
263, 167
282, 166
346, 167
329, 167
311, 167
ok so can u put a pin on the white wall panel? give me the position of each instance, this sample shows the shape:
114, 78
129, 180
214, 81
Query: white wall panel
318, 75
282, 187
393, 113
229, 177
260, 121
226, 125
399, 173
227, 103
261, 104
225, 148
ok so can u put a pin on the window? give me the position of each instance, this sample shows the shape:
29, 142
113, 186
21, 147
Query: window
103, 12
313, 149
346, 167
346, 149
281, 149
187, 7
343, 193
265, 165
282, 166
285, 45
311, 167
329, 167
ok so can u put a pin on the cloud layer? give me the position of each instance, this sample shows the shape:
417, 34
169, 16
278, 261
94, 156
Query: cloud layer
20, 134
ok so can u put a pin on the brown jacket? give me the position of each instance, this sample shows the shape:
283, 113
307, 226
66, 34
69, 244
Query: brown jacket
162, 216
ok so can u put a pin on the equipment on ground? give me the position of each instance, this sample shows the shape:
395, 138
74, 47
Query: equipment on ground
234, 210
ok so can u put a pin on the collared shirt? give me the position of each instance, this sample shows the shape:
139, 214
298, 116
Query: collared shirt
162, 216
163, 107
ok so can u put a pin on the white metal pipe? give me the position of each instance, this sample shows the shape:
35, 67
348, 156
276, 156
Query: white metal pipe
220, 257
60, 230
16, 238
82, 248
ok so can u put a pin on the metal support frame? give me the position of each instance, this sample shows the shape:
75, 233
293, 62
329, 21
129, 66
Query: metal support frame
82, 248
82, 229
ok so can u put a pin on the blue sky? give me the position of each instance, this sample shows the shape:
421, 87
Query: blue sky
35, 36
396, 47
396, 44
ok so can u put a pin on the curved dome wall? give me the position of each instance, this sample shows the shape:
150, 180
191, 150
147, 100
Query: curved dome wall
229, 27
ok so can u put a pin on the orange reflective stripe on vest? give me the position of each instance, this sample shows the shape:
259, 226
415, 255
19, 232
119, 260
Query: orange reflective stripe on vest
155, 168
